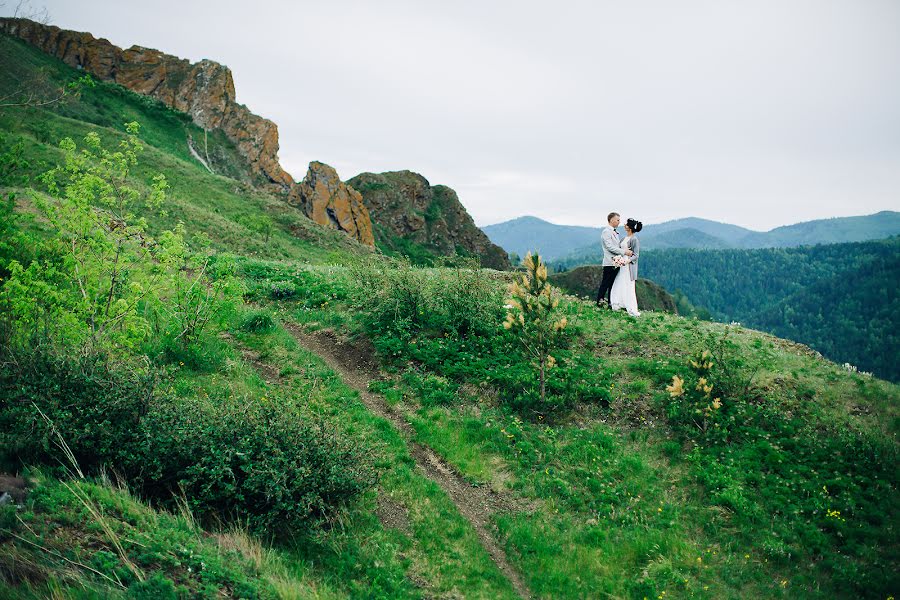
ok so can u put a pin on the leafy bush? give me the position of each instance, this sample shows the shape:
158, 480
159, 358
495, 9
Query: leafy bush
264, 462
94, 405
259, 322
406, 301
450, 321
260, 461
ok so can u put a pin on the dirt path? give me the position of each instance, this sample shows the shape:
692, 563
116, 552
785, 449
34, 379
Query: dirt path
356, 368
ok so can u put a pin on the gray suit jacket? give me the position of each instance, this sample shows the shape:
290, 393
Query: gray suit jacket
609, 239
633, 244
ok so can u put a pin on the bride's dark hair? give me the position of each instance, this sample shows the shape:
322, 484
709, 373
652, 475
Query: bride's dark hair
633, 225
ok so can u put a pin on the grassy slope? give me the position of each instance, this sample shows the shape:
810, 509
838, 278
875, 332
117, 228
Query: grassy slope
614, 492
610, 502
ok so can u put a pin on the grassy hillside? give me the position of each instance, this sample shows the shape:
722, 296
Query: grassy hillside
281, 413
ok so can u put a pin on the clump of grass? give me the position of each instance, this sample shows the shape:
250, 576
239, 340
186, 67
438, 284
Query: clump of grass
259, 321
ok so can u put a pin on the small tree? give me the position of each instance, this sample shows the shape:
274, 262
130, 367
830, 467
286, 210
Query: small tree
109, 255
533, 315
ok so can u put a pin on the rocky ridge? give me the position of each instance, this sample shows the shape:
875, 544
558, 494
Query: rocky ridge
205, 91
405, 205
414, 210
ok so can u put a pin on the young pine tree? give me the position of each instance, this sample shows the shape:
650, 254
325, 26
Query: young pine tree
534, 315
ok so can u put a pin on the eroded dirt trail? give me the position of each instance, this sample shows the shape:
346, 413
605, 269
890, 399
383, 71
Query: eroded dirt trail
476, 504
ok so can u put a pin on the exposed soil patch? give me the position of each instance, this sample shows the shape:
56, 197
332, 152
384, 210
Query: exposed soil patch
392, 514
356, 365
13, 487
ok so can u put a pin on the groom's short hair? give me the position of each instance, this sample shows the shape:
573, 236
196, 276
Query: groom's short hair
610, 216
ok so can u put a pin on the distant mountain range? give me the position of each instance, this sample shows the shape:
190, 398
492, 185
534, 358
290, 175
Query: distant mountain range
577, 244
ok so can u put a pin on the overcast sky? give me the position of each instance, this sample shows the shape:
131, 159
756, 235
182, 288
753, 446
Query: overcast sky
758, 112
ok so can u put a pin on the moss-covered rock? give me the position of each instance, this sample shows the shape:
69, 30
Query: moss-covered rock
421, 221
584, 281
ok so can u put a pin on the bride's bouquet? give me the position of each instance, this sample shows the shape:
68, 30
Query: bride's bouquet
620, 261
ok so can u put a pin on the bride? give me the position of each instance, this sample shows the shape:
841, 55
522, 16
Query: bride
622, 294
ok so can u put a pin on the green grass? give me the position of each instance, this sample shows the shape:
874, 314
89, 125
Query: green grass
441, 548
618, 491
92, 539
215, 205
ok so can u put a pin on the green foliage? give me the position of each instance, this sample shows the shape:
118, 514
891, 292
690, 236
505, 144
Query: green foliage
202, 290
91, 297
800, 490
13, 164
261, 461
405, 302
260, 321
450, 320
533, 317
94, 405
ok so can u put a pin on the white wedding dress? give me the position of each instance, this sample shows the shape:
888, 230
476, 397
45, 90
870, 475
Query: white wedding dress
622, 295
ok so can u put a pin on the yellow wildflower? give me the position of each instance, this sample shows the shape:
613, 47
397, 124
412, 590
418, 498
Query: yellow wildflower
676, 389
717, 403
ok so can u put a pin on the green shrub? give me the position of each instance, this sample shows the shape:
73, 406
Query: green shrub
156, 587
258, 322
450, 321
96, 407
263, 462
404, 301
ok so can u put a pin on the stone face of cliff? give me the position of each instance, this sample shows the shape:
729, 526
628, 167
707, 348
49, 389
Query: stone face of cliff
405, 205
204, 90
330, 202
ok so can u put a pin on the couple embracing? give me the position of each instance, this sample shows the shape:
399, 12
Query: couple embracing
620, 266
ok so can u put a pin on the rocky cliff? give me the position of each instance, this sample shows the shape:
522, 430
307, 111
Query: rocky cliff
204, 90
327, 200
404, 205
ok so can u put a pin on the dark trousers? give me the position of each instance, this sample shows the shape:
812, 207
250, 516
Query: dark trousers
609, 276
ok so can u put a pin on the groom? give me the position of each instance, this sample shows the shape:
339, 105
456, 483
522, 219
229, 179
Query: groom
609, 239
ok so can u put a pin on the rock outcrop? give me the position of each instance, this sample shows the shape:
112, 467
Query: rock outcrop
403, 204
583, 281
328, 201
204, 90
